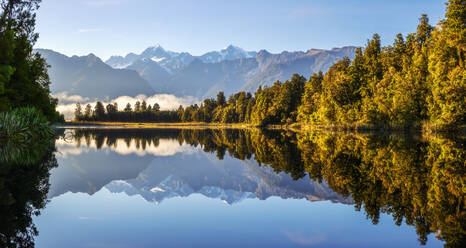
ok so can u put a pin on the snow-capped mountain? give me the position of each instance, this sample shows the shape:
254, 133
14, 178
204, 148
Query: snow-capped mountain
230, 69
120, 62
179, 73
231, 181
228, 53
173, 62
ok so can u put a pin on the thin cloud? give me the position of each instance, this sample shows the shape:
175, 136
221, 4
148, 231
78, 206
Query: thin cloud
89, 30
65, 98
306, 240
100, 3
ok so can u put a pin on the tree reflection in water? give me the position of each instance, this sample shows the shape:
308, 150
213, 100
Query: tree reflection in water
24, 184
418, 181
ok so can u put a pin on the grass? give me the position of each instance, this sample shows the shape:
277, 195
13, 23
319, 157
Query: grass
193, 125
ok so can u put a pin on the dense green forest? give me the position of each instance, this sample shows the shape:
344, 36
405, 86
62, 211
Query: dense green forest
418, 79
24, 81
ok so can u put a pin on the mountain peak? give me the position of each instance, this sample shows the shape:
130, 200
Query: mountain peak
231, 47
157, 47
93, 58
263, 52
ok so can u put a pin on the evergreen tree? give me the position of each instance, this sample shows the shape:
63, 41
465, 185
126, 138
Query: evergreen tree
78, 113
88, 111
23, 74
156, 107
99, 111
143, 106
128, 108
221, 100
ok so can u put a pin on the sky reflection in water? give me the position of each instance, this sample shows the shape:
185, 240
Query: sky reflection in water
111, 190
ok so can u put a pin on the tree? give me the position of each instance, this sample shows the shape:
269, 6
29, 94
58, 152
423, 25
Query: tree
99, 111
311, 97
156, 107
111, 109
447, 100
88, 111
23, 74
78, 112
180, 112
424, 30
143, 106
137, 106
128, 108
221, 100
454, 28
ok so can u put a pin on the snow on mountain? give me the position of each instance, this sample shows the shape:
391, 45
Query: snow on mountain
228, 53
156, 59
172, 62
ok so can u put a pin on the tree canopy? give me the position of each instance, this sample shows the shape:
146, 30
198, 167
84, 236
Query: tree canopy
24, 81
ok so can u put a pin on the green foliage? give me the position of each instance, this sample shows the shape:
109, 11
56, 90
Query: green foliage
24, 185
24, 125
419, 182
278, 104
21, 130
23, 74
447, 101
111, 113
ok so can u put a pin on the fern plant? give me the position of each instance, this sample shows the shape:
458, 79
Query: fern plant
20, 130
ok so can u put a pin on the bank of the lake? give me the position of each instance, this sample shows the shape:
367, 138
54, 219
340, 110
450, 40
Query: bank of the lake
424, 128
193, 125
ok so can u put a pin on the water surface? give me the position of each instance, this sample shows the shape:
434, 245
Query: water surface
249, 188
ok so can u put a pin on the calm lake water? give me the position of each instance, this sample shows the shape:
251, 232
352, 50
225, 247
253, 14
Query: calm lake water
234, 188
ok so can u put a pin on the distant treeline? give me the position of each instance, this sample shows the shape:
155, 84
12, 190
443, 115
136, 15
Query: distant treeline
419, 79
141, 113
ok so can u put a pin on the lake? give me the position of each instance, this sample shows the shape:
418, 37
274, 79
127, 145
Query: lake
115, 187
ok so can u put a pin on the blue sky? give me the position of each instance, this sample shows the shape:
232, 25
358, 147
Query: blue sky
117, 27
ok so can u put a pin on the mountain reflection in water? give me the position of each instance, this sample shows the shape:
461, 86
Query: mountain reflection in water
417, 181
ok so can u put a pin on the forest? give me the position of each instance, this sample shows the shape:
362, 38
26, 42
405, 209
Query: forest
418, 80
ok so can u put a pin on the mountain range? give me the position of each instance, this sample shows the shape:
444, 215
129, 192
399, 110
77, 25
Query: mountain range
231, 69
157, 70
90, 77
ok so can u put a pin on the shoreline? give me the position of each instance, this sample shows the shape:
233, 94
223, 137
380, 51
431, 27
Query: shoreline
295, 127
185, 125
